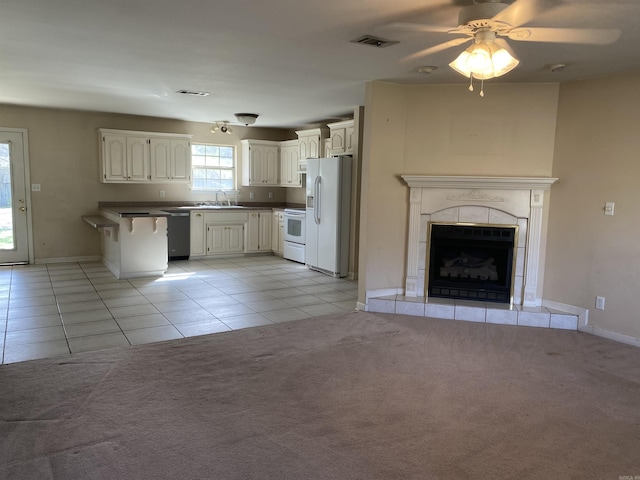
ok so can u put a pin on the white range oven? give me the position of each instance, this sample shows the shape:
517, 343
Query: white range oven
294, 234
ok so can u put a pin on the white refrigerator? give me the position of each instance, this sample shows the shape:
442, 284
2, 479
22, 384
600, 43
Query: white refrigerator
328, 215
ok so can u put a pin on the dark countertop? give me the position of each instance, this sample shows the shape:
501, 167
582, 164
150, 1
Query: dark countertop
136, 212
163, 209
177, 204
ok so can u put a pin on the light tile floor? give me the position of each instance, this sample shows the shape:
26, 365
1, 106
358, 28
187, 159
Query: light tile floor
59, 309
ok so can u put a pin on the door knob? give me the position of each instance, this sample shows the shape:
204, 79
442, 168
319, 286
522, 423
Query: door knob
22, 209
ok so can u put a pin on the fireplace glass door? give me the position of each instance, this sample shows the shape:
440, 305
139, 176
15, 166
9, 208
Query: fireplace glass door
472, 262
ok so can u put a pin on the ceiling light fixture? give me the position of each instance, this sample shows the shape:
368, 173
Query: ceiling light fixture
222, 127
246, 118
484, 59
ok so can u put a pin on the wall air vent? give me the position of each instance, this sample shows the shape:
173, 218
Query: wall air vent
374, 41
194, 93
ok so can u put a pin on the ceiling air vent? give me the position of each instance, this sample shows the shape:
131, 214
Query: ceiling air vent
374, 41
195, 93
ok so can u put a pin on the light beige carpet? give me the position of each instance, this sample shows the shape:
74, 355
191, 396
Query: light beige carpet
353, 396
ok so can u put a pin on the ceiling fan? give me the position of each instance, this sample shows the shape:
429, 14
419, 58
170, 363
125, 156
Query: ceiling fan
484, 21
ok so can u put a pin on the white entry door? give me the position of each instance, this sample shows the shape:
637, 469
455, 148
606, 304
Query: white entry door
14, 218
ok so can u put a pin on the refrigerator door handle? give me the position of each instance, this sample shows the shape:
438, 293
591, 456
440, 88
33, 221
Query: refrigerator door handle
318, 199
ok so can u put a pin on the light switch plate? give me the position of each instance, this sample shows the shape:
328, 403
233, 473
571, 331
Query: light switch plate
608, 208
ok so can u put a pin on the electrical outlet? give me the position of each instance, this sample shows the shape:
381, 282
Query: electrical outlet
252, 195
270, 194
161, 193
35, 187
600, 303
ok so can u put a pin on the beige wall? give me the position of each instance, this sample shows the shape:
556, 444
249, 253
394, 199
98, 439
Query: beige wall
442, 130
63, 154
596, 160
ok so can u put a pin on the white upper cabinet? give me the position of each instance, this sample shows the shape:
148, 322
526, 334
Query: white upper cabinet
125, 158
341, 137
260, 163
114, 157
289, 157
144, 157
311, 142
170, 160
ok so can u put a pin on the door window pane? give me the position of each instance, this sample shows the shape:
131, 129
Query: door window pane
6, 203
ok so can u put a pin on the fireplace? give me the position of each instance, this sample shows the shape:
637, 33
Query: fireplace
512, 211
500, 202
471, 262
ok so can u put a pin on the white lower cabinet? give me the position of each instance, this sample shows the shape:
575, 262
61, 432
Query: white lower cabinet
259, 231
277, 232
197, 234
225, 239
230, 232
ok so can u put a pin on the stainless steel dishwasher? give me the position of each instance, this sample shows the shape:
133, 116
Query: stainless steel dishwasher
179, 229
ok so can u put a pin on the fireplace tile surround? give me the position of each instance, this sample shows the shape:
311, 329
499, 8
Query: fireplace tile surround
474, 311
476, 200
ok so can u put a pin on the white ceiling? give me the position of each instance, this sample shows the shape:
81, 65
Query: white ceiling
290, 61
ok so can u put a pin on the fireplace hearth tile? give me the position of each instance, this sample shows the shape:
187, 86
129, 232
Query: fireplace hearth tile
382, 305
404, 307
470, 311
531, 318
502, 316
475, 313
564, 321
402, 298
440, 309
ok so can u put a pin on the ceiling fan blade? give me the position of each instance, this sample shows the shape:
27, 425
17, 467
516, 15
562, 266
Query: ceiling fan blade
416, 27
436, 48
521, 12
589, 36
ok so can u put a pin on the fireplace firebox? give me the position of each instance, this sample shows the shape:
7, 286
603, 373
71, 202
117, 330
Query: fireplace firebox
472, 262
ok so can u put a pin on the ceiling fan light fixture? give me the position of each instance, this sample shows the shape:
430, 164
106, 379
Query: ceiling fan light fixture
246, 118
484, 59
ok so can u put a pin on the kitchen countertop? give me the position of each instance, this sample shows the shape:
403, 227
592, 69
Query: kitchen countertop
136, 212
162, 209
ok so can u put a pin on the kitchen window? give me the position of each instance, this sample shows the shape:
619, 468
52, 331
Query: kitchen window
213, 167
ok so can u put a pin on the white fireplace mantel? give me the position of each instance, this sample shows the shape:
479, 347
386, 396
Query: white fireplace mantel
520, 198
497, 183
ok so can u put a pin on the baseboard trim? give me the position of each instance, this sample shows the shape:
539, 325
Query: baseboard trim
609, 335
383, 292
90, 258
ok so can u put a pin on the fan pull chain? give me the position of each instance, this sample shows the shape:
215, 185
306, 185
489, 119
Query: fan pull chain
481, 86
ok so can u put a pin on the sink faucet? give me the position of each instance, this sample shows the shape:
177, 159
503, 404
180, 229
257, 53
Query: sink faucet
222, 192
